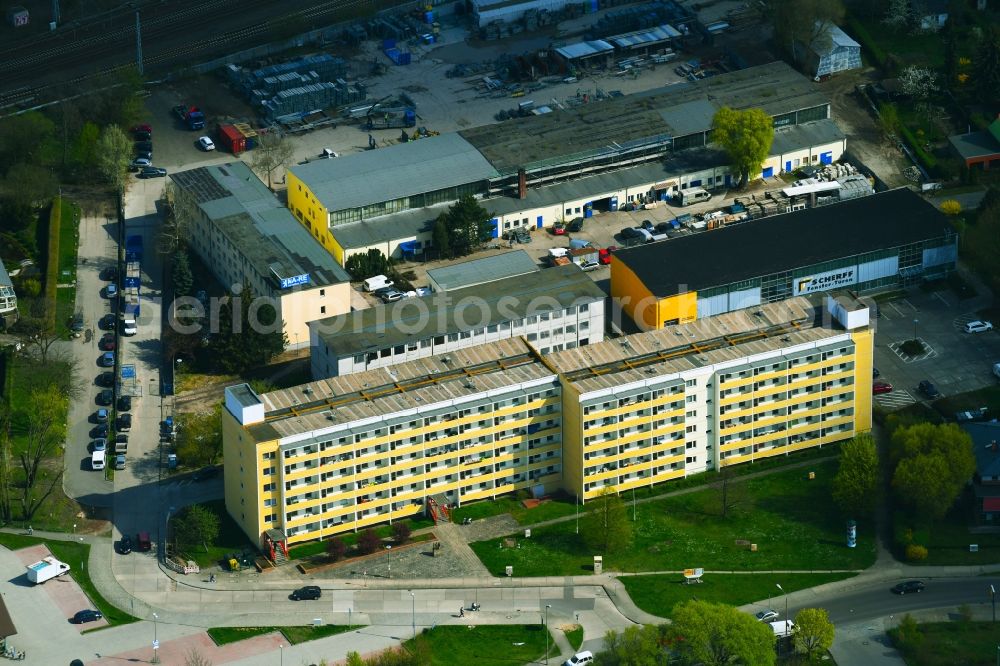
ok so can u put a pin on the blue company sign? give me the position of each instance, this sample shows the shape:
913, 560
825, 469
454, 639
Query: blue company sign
294, 281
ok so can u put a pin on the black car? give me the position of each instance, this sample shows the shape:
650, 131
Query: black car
105, 379
125, 545
107, 322
929, 389
909, 586
86, 616
152, 172
574, 225
76, 322
99, 431
630, 232
123, 423
307, 593
663, 227
125, 403
143, 135
109, 274
144, 146
647, 225
106, 397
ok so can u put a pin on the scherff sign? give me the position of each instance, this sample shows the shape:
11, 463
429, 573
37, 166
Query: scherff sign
824, 281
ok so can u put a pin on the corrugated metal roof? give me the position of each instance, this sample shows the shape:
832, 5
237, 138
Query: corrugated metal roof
403, 170
585, 49
796, 137
251, 217
487, 269
689, 117
387, 228
660, 33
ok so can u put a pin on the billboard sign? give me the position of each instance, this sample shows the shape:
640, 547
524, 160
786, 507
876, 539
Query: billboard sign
811, 284
287, 283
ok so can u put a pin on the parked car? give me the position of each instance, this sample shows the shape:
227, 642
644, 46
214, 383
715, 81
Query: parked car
559, 229
123, 423
125, 545
580, 659
630, 233
120, 461
206, 143
768, 615
109, 274
663, 227
881, 387
152, 172
140, 162
99, 444
111, 291
107, 322
307, 593
142, 135
101, 416
145, 155
590, 266
928, 389
648, 225
76, 322
574, 225
142, 128
81, 617
972, 415
99, 431
391, 296
604, 254
906, 587
105, 398
383, 290
107, 342
105, 379
978, 326
124, 403
106, 360
144, 146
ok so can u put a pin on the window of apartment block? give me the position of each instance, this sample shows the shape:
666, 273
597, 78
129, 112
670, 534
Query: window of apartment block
322, 292
691, 428
691, 459
322, 309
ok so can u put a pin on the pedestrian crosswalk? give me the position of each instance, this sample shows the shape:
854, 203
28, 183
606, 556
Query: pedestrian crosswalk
895, 400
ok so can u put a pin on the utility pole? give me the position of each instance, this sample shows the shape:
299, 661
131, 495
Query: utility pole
138, 42
56, 18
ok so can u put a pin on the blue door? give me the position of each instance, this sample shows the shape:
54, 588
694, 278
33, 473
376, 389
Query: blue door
788, 166
826, 158
729, 180
767, 173
495, 230
613, 204
588, 209
538, 222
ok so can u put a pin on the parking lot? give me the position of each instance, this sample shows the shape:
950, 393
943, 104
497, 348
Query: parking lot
954, 361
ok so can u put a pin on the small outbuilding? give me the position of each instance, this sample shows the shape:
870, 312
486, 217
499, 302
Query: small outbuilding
981, 148
831, 52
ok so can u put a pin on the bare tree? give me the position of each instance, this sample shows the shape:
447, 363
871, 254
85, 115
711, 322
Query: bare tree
45, 432
731, 492
196, 658
272, 151
36, 334
899, 14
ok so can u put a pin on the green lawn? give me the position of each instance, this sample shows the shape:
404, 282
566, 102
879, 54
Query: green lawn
575, 637
294, 635
790, 518
231, 539
76, 555
659, 594
556, 507
312, 548
948, 539
950, 643
69, 239
486, 644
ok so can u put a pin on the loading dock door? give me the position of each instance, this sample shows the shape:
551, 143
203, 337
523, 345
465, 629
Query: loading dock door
788, 166
767, 173
495, 228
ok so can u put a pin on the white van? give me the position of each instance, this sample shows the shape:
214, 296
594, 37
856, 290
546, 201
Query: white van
97, 460
585, 657
693, 195
129, 327
377, 282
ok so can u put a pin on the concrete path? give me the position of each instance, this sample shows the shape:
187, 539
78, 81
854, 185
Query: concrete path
451, 538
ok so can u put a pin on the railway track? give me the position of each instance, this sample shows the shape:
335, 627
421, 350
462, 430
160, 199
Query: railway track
159, 50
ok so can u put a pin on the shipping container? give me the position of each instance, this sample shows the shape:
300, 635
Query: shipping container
232, 139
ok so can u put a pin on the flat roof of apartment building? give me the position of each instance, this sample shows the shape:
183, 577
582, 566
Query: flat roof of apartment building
675, 349
785, 242
412, 386
264, 232
413, 319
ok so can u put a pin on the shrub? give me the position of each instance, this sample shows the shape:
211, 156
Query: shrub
52, 263
912, 347
401, 532
916, 553
336, 549
907, 637
31, 287
368, 542
951, 207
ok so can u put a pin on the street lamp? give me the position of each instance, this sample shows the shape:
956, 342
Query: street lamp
547, 607
413, 612
915, 322
156, 643
778, 585
388, 561
281, 649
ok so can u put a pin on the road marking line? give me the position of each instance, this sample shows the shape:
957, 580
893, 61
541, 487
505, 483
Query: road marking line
893, 306
937, 295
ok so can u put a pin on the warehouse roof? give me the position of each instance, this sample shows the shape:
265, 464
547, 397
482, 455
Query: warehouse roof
732, 336
470, 308
394, 172
243, 209
478, 271
585, 49
784, 242
796, 137
407, 388
612, 125
661, 33
387, 228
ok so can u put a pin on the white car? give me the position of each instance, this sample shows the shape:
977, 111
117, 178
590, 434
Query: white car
767, 615
205, 143
978, 326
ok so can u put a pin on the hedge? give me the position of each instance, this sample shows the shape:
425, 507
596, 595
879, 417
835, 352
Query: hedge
928, 160
861, 34
52, 263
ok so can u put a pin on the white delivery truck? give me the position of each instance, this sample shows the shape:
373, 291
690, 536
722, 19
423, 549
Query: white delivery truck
47, 568
377, 282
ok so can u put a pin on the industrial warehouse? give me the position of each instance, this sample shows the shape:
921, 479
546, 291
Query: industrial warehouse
536, 170
343, 453
891, 239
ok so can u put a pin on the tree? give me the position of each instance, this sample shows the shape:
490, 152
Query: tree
804, 22
35, 332
196, 658
730, 494
401, 532
918, 82
813, 632
195, 524
856, 486
642, 644
336, 549
441, 238
717, 635
986, 62
114, 155
272, 152
468, 226
248, 334
746, 137
950, 207
932, 465
30, 185
369, 264
199, 437
180, 274
368, 542
44, 433
899, 14
28, 138
606, 527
